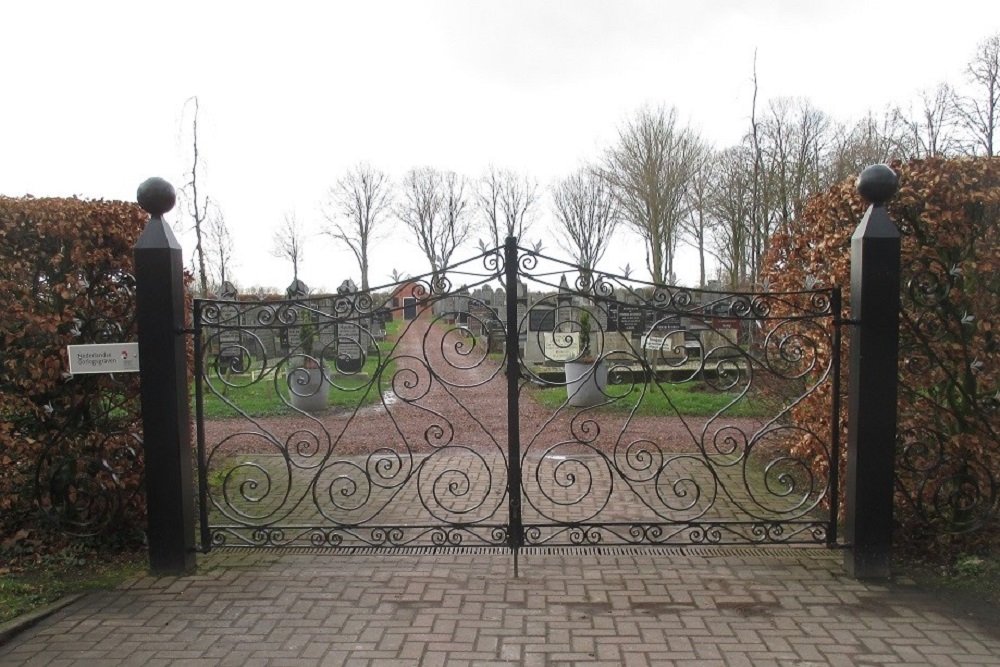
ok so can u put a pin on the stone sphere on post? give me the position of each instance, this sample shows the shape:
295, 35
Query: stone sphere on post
877, 184
156, 196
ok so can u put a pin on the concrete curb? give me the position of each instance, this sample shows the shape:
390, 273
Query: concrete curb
14, 627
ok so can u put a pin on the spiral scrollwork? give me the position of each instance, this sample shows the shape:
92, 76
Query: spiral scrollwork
782, 484
639, 460
964, 496
929, 283
466, 492
685, 487
792, 349
441, 471
527, 262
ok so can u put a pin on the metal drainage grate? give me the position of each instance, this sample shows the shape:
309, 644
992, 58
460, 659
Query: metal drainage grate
695, 551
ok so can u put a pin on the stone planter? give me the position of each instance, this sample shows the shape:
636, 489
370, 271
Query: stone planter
585, 383
308, 389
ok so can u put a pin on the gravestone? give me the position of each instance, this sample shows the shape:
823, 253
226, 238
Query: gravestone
541, 324
290, 335
666, 337
495, 331
230, 357
297, 290
351, 331
548, 340
409, 308
522, 300
382, 316
560, 347
484, 295
350, 347
626, 318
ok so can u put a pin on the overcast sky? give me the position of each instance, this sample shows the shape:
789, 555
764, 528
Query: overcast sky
292, 94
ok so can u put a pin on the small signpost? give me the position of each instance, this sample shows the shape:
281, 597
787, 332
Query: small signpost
103, 358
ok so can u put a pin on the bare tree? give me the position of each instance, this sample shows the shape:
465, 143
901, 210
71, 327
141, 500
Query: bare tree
507, 202
198, 208
357, 206
434, 205
648, 169
759, 219
732, 202
930, 130
977, 112
788, 145
587, 214
289, 243
219, 244
874, 139
695, 226
790, 142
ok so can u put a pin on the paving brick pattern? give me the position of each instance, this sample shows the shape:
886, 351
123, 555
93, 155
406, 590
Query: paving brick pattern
656, 607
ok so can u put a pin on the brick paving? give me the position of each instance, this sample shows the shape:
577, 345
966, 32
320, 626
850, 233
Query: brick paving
659, 606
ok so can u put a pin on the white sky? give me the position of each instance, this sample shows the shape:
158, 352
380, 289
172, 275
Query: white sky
292, 94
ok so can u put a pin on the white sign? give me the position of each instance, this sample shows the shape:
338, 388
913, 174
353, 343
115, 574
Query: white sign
561, 346
103, 358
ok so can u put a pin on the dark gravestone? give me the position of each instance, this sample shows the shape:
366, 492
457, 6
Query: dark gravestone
542, 320
350, 350
496, 332
626, 318
230, 357
664, 323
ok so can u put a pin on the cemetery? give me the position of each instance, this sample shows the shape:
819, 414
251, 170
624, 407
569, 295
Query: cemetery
302, 358
562, 327
445, 333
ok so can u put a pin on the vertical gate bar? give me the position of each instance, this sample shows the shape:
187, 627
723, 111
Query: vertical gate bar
199, 417
515, 536
836, 307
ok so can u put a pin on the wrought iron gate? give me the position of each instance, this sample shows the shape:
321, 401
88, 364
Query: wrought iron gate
468, 423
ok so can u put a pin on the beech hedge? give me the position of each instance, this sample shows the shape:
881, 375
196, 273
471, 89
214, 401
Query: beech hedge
948, 443
69, 450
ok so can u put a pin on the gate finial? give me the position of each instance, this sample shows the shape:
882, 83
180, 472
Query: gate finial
156, 196
877, 184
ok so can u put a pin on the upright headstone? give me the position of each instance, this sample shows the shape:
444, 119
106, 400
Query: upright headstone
230, 357
462, 306
351, 332
540, 325
409, 308
290, 335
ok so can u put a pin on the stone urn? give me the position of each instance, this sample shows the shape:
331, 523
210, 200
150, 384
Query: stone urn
585, 382
308, 388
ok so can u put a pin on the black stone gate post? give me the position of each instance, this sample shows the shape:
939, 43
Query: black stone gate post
873, 379
166, 436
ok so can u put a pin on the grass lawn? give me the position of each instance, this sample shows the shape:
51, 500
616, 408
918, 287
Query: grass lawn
32, 586
969, 577
688, 398
263, 397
